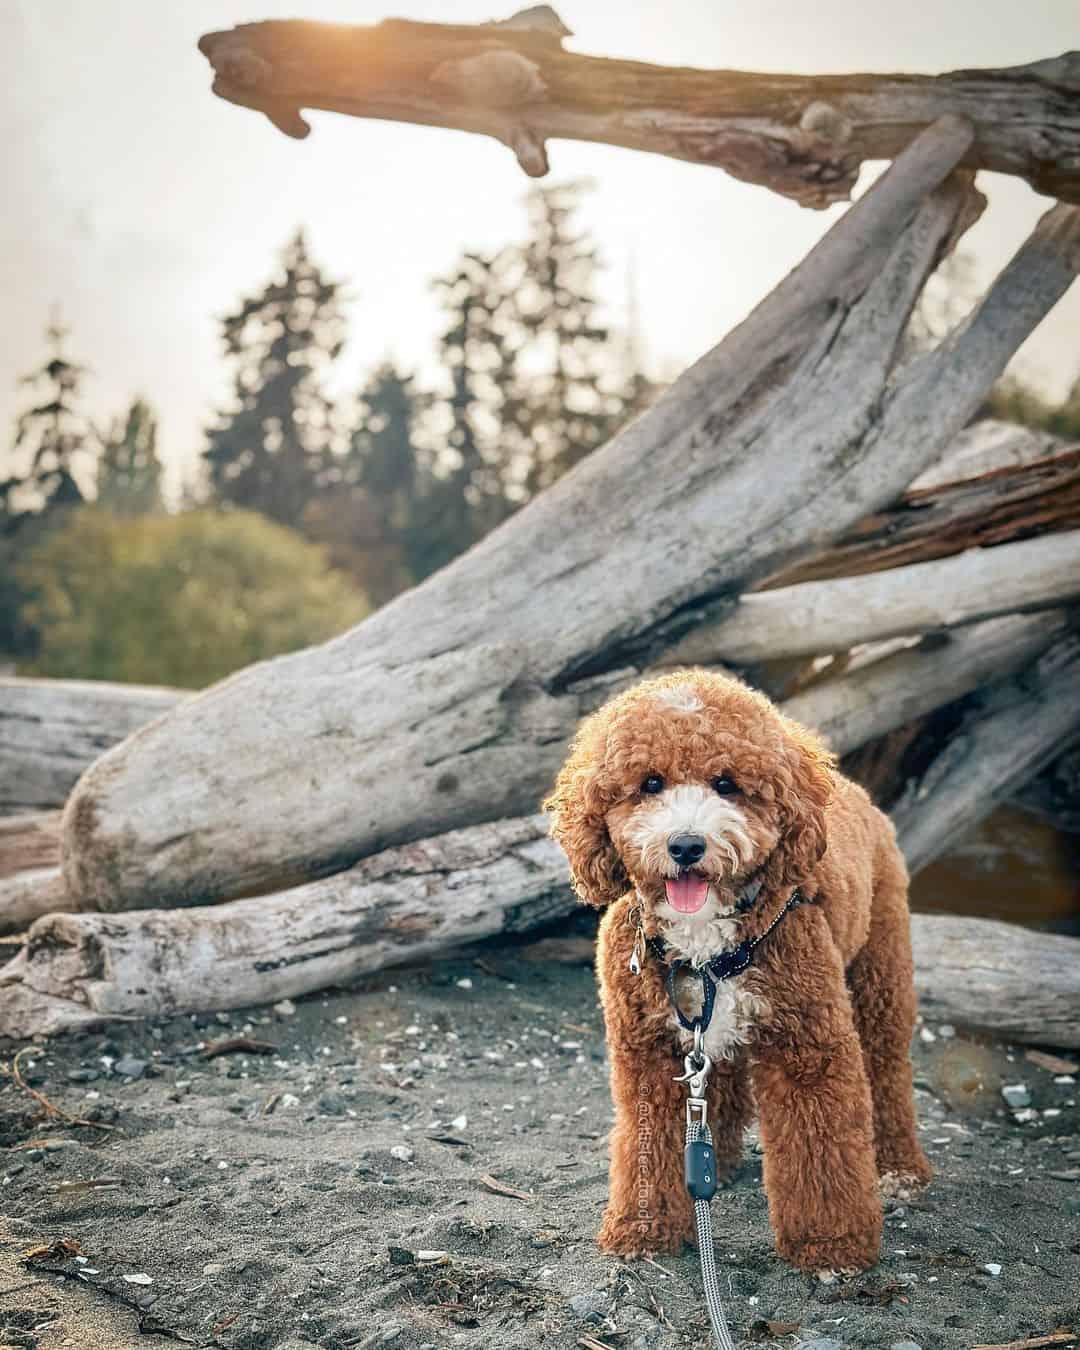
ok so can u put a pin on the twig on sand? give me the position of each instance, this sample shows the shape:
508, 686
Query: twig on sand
501, 1188
1060, 1337
49, 1108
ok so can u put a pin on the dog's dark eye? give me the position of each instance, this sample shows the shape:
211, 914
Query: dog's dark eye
726, 787
653, 784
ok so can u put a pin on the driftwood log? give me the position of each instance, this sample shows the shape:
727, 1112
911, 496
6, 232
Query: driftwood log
803, 136
77, 970
1011, 731
833, 616
452, 705
1000, 505
50, 730
847, 709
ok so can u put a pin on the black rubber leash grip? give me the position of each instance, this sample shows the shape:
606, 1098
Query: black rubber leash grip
700, 1162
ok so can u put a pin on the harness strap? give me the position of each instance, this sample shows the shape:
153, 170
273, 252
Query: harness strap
723, 966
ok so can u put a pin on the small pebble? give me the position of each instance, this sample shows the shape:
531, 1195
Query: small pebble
139, 1278
466, 983
591, 1304
286, 1008
905, 1345
130, 1067
83, 1075
1016, 1095
402, 1152
213, 1268
992, 1268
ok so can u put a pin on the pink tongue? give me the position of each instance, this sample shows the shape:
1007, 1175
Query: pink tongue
687, 893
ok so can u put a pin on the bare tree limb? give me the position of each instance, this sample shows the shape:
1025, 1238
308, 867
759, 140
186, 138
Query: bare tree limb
995, 507
835, 615
1015, 728
802, 136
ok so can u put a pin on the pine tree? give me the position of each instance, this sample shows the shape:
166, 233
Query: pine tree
129, 471
270, 450
466, 492
367, 512
568, 399
54, 444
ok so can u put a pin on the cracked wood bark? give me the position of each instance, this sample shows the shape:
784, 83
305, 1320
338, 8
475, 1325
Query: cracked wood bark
1001, 505
802, 136
842, 612
453, 704
50, 730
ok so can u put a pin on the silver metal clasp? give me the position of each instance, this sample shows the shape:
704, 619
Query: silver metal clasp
696, 1067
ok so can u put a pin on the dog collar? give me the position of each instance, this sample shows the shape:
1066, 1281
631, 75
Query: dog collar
724, 966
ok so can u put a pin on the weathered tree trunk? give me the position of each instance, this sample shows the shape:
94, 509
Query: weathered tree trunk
833, 616
852, 708
399, 905
998, 506
452, 705
80, 969
27, 895
1013, 730
803, 136
1054, 795
50, 730
1016, 984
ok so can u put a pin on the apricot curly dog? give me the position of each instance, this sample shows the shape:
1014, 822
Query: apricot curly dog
695, 809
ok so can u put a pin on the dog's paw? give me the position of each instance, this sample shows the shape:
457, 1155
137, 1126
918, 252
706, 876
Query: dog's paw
631, 1237
836, 1276
903, 1185
835, 1257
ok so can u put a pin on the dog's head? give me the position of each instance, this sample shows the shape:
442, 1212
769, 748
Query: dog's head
685, 788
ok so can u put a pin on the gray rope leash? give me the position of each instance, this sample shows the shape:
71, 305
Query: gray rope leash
697, 1132
701, 1180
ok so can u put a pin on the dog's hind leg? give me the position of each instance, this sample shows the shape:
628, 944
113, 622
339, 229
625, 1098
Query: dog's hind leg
880, 980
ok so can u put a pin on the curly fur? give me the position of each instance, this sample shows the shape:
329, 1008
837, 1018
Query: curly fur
816, 1035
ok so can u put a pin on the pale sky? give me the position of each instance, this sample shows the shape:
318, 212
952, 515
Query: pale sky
146, 206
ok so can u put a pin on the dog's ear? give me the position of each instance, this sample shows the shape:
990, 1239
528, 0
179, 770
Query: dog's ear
577, 806
805, 790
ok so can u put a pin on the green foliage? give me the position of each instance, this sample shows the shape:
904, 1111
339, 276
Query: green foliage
269, 451
177, 599
1014, 401
129, 471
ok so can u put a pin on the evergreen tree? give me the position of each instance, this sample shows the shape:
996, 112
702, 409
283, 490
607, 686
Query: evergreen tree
54, 443
465, 492
271, 449
568, 397
366, 516
129, 471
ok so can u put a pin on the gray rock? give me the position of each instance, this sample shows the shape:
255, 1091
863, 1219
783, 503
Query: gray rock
905, 1345
332, 1104
821, 1343
1016, 1095
130, 1067
588, 1305
82, 1075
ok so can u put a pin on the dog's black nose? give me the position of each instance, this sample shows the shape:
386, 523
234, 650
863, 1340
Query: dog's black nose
687, 849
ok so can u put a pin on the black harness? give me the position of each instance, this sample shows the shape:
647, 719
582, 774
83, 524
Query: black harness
724, 966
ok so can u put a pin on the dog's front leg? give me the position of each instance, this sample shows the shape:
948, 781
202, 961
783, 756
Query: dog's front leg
648, 1208
814, 1105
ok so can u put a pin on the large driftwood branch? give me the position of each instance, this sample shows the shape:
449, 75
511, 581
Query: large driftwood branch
835, 615
803, 136
1016, 984
1013, 730
77, 970
847, 710
50, 730
453, 704
851, 709
998, 506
